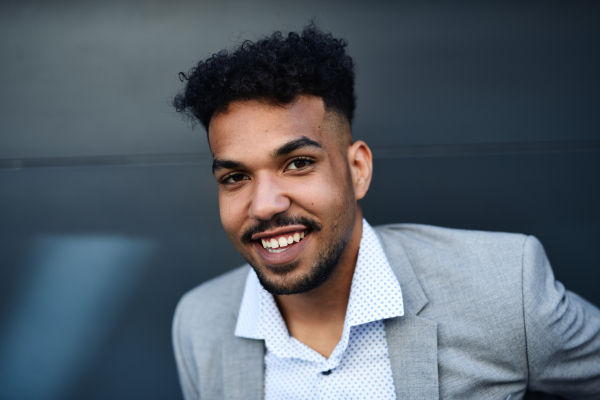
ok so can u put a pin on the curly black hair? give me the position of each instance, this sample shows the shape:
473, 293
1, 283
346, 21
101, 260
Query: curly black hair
275, 69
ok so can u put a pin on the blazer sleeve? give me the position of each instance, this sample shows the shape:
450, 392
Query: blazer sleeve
183, 358
562, 332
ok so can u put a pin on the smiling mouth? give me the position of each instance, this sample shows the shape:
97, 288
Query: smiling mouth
281, 243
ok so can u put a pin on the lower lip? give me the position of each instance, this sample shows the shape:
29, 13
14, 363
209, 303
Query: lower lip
289, 255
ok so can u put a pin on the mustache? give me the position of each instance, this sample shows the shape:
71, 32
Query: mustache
279, 222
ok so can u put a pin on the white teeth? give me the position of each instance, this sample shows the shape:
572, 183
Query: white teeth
270, 244
276, 251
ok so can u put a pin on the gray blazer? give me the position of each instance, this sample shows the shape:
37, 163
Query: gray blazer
484, 319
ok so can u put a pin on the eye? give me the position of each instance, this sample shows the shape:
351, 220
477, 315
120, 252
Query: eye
234, 178
299, 163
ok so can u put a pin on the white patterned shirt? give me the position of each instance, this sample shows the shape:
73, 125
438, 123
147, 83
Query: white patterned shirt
359, 367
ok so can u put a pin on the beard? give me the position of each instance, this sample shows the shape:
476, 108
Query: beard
315, 277
317, 274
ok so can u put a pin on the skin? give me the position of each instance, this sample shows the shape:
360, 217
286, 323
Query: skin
322, 183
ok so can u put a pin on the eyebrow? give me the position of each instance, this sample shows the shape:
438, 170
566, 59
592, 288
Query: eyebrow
219, 164
287, 148
295, 144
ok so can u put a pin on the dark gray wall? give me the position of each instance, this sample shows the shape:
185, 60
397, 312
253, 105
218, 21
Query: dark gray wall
481, 116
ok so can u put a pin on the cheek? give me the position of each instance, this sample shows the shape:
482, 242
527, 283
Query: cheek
342, 193
230, 214
326, 197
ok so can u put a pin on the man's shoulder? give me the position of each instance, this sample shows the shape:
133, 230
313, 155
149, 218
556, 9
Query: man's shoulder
466, 258
448, 236
204, 322
428, 239
215, 302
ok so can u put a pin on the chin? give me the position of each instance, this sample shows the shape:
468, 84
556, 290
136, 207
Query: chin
287, 281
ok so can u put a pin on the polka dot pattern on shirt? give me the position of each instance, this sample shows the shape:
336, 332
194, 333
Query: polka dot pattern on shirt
359, 367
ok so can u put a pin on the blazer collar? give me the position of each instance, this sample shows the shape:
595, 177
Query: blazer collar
412, 292
243, 368
243, 359
412, 340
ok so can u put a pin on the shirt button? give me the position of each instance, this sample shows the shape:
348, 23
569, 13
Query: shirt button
326, 372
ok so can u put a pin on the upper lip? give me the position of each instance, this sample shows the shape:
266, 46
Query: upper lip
279, 231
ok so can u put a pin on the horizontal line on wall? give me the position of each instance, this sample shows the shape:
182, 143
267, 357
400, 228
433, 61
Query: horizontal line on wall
112, 160
453, 150
390, 152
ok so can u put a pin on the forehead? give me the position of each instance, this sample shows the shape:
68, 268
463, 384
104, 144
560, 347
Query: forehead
252, 128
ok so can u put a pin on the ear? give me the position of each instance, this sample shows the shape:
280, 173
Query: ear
360, 161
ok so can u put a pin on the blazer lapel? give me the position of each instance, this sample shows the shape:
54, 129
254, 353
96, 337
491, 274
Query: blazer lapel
412, 347
243, 361
412, 340
243, 368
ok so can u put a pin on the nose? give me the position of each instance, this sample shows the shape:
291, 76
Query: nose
268, 199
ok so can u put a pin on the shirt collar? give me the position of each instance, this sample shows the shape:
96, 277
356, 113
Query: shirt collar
375, 294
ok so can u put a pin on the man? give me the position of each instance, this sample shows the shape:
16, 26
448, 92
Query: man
330, 307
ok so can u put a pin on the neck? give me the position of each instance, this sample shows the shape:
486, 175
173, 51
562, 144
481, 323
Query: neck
316, 318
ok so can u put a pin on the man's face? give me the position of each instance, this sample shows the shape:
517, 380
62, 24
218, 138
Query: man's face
285, 190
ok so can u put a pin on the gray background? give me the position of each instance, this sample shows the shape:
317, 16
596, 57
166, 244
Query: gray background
480, 116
